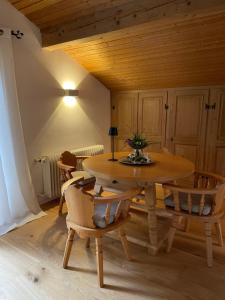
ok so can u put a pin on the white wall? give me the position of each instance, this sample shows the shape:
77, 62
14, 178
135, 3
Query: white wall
49, 126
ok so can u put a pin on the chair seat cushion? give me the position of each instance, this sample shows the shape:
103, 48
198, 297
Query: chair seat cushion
99, 214
169, 202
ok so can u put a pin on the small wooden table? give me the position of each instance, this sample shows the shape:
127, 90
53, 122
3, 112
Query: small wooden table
166, 168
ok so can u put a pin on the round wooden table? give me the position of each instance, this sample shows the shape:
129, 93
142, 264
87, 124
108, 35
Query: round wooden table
166, 167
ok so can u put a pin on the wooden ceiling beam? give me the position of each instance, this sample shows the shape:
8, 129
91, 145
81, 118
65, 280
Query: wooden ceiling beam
28, 7
127, 15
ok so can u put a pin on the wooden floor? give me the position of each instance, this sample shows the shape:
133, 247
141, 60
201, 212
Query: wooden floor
31, 257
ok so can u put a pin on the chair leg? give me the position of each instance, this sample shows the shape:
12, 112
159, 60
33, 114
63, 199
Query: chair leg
209, 253
124, 242
61, 201
187, 224
88, 243
171, 235
69, 244
219, 233
176, 221
99, 256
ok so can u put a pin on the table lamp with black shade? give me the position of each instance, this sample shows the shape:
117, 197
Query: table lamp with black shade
113, 132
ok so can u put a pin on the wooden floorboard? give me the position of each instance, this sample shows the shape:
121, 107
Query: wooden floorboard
31, 267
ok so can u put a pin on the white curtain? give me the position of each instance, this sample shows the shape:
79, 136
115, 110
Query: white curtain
18, 203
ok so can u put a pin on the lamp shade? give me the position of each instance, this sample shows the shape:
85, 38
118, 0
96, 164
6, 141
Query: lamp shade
113, 131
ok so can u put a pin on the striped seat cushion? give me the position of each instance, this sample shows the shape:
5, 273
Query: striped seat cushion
99, 215
207, 209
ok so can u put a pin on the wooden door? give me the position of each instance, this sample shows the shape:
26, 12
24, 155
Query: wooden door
152, 118
187, 124
124, 117
215, 158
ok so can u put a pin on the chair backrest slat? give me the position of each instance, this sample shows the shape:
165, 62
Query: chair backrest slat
126, 207
176, 200
208, 191
189, 203
81, 203
119, 209
107, 213
196, 180
201, 204
219, 199
206, 180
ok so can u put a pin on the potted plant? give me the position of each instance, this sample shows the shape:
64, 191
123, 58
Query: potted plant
138, 143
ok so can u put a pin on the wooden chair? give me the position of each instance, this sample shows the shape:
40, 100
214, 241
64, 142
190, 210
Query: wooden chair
204, 202
70, 166
91, 215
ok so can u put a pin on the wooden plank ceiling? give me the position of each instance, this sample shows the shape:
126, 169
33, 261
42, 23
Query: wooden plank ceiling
180, 52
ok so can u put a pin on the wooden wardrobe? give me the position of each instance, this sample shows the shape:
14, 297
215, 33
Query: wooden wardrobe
188, 121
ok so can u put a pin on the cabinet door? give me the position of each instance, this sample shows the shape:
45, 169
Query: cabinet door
187, 124
215, 158
124, 117
152, 118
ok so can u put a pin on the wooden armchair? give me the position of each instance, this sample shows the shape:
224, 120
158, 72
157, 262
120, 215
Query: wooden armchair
91, 215
203, 202
70, 166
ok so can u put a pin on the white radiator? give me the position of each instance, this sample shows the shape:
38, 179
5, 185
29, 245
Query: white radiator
51, 173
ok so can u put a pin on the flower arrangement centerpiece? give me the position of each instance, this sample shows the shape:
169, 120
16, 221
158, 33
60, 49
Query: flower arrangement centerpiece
138, 143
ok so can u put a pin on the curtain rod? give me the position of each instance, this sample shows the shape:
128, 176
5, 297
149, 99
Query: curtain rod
18, 34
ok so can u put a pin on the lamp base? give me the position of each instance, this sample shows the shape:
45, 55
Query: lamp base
113, 159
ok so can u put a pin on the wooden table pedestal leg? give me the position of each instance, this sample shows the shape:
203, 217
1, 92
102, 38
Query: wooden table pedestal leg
150, 199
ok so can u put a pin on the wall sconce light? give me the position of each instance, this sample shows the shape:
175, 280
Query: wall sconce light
69, 97
71, 93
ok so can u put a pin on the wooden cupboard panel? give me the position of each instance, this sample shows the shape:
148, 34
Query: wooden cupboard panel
188, 110
188, 151
187, 128
152, 118
150, 112
187, 123
124, 113
221, 124
154, 147
121, 145
220, 161
124, 116
215, 158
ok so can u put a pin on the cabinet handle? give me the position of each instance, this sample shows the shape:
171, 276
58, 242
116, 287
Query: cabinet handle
166, 106
210, 107
171, 139
213, 106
